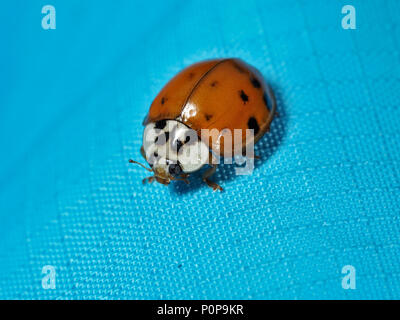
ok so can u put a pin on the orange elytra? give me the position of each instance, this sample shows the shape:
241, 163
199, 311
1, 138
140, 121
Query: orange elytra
220, 95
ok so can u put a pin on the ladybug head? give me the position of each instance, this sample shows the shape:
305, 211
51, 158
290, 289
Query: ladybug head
164, 172
172, 150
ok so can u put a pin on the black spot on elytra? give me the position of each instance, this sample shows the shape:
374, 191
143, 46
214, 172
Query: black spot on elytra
243, 96
255, 82
187, 139
253, 124
156, 154
265, 98
214, 83
161, 124
164, 100
208, 116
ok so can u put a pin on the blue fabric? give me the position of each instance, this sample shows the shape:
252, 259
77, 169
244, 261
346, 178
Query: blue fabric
325, 194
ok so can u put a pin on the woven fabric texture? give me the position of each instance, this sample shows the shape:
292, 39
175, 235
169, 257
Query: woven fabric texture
325, 193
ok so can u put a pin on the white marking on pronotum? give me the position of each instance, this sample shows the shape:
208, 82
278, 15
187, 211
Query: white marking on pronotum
175, 143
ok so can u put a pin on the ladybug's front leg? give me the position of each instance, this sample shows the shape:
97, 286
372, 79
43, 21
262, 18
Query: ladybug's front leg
208, 174
150, 179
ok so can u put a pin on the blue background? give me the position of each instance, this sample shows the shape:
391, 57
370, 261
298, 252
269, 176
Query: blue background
325, 194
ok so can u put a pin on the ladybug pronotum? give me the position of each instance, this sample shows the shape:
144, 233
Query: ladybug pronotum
216, 94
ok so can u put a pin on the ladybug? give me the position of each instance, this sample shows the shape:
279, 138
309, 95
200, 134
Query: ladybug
221, 94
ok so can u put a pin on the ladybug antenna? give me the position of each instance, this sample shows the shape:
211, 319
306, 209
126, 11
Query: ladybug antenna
132, 161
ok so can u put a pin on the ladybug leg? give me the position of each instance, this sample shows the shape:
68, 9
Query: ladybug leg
185, 177
208, 174
150, 179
